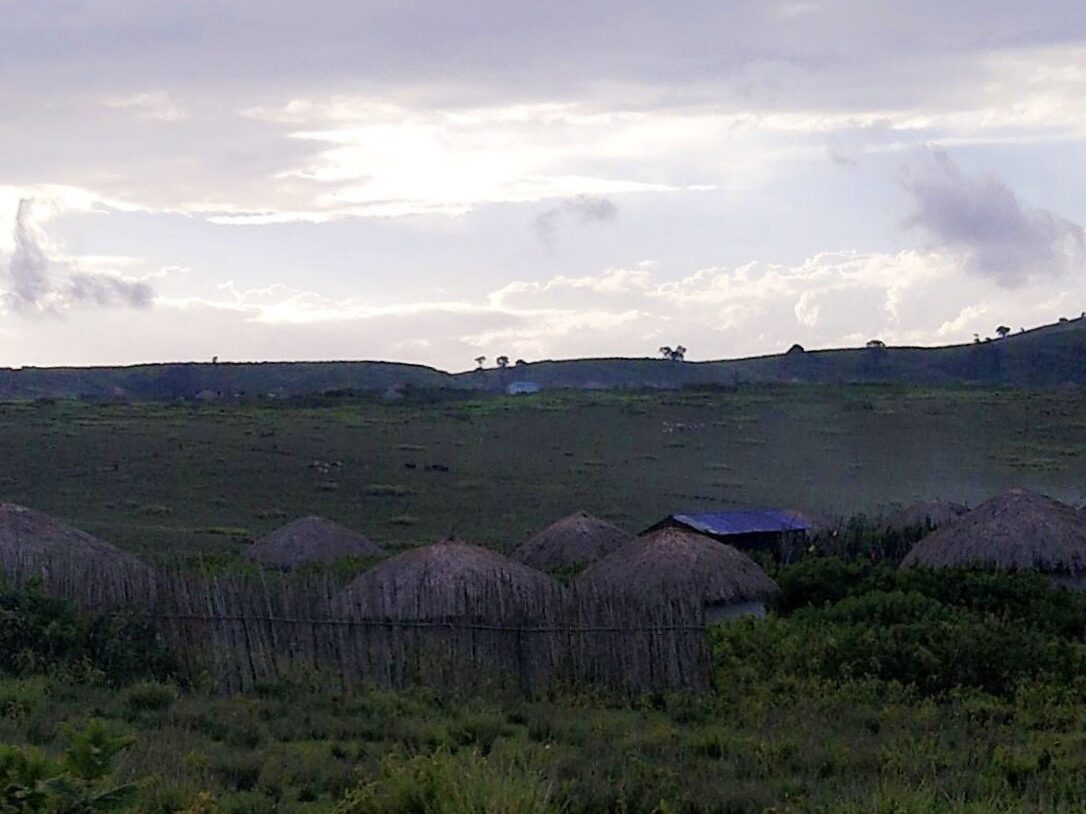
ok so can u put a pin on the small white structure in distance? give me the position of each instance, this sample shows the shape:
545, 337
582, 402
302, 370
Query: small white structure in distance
521, 388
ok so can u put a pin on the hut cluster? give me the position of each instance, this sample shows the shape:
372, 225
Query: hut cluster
704, 559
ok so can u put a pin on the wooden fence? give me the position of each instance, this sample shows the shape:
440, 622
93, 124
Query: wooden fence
242, 631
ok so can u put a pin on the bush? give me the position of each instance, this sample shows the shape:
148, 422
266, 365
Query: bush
39, 633
932, 631
79, 782
444, 783
149, 696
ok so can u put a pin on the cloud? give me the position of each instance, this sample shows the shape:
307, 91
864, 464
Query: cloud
827, 300
582, 209
155, 105
28, 267
37, 287
1001, 237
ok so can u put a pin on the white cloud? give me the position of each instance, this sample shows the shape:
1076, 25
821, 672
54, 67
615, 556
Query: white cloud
154, 105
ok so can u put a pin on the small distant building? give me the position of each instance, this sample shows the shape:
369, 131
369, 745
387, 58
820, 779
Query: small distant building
778, 531
521, 388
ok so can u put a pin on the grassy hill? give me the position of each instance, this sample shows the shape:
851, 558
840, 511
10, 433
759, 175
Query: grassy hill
1050, 356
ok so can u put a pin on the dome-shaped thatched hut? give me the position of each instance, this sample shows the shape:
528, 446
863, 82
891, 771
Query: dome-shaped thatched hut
449, 580
674, 564
924, 516
1017, 531
571, 543
310, 540
71, 562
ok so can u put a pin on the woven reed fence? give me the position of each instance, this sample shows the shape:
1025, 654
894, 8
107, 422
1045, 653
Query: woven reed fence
240, 632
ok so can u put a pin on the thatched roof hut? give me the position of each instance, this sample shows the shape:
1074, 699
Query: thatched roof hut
1017, 531
925, 515
310, 540
71, 562
449, 580
674, 564
572, 542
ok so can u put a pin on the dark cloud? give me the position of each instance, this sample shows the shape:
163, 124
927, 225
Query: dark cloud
983, 219
34, 289
28, 268
581, 209
100, 289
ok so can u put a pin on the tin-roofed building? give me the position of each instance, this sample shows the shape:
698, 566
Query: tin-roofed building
779, 531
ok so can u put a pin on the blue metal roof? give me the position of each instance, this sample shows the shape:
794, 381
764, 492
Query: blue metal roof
743, 522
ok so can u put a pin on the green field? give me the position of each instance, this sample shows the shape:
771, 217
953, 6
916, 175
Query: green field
183, 477
864, 691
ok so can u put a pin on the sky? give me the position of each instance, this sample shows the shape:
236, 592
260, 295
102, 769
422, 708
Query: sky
431, 181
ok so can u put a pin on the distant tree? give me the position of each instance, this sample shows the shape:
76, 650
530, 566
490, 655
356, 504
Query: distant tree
520, 362
976, 339
666, 351
480, 361
214, 360
679, 354
1003, 330
795, 350
876, 343
503, 361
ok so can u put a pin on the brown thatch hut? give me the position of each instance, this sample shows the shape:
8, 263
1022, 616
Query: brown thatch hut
674, 564
310, 540
70, 562
1017, 531
571, 543
449, 580
924, 516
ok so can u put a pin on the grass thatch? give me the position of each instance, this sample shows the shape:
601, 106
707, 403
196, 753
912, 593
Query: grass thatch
68, 561
310, 540
28, 533
449, 580
675, 564
925, 514
1017, 531
571, 543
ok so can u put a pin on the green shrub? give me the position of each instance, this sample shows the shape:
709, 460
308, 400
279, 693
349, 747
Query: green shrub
444, 783
149, 696
79, 783
39, 633
933, 631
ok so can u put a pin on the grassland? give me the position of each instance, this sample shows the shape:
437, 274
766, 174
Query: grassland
185, 477
865, 691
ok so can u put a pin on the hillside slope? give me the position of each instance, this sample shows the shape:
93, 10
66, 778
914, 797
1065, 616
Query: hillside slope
1050, 356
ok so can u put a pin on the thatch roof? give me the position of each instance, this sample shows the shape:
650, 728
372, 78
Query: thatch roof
72, 562
676, 564
925, 514
448, 580
26, 532
1018, 530
571, 542
310, 540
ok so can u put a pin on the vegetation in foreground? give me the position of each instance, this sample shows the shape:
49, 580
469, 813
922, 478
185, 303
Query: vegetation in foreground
868, 690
